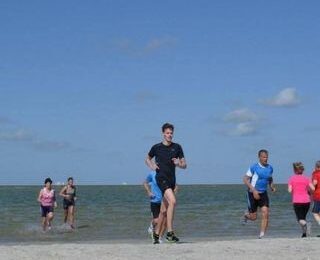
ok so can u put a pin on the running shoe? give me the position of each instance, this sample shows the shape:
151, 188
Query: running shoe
156, 239
171, 237
150, 229
244, 219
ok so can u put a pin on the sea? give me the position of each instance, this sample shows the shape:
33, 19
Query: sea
122, 214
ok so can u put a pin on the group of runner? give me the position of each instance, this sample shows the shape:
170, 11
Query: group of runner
47, 200
161, 188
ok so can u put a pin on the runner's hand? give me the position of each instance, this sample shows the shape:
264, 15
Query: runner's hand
256, 195
273, 189
155, 167
176, 161
150, 194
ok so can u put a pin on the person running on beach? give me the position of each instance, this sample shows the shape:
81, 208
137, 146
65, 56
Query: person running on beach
168, 156
68, 193
257, 179
47, 200
316, 194
299, 186
155, 195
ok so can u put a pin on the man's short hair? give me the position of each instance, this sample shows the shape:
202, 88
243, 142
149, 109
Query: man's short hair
166, 126
263, 151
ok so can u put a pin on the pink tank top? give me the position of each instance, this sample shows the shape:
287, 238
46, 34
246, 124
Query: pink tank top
47, 197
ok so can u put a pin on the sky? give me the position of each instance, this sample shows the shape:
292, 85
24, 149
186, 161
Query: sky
85, 87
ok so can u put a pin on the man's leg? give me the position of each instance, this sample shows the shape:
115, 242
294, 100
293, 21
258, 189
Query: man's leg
171, 200
264, 220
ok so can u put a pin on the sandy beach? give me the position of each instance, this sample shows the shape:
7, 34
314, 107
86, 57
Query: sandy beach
269, 248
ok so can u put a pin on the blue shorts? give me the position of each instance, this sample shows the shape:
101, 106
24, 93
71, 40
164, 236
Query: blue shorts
45, 210
316, 207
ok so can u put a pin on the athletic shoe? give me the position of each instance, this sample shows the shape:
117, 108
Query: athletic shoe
304, 235
244, 218
155, 239
171, 237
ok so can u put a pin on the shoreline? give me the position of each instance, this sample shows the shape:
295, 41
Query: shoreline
268, 248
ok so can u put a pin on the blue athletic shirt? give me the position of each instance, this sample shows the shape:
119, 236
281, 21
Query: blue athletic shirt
151, 179
260, 176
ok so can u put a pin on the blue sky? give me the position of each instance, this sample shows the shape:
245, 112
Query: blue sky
86, 85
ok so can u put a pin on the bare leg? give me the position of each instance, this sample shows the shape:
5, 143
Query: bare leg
171, 200
71, 216
264, 220
49, 218
317, 217
65, 216
251, 216
161, 219
44, 223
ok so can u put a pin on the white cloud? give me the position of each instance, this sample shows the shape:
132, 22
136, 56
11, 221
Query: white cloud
240, 116
150, 46
244, 129
16, 136
287, 97
245, 122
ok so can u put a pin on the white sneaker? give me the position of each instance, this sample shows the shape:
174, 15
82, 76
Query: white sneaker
150, 229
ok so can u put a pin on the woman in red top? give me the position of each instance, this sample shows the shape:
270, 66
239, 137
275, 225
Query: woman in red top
316, 194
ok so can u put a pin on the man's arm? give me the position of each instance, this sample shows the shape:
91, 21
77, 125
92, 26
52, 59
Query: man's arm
151, 164
181, 163
246, 181
147, 188
271, 185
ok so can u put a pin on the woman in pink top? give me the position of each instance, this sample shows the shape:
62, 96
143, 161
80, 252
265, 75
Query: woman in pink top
299, 185
47, 201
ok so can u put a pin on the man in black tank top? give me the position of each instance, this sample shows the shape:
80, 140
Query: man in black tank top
168, 156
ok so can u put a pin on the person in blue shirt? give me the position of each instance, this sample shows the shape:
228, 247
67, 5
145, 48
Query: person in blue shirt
257, 179
155, 195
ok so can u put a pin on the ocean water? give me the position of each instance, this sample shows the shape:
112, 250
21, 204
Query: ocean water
122, 213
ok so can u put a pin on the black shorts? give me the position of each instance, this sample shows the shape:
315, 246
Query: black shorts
316, 207
155, 209
301, 210
253, 204
45, 210
164, 184
68, 203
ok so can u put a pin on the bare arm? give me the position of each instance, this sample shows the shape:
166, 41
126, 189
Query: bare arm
246, 181
63, 191
271, 185
151, 164
39, 196
289, 188
312, 187
147, 188
181, 163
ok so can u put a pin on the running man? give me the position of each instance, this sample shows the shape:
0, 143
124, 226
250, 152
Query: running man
168, 155
257, 179
47, 200
300, 186
68, 193
155, 195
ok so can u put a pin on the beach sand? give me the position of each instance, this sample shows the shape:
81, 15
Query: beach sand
268, 248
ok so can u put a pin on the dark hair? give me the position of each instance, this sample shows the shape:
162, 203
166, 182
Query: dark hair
70, 178
47, 180
166, 126
298, 166
263, 151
